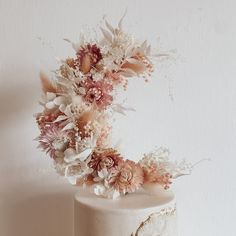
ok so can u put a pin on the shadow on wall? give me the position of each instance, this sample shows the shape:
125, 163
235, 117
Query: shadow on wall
17, 95
31, 204
42, 215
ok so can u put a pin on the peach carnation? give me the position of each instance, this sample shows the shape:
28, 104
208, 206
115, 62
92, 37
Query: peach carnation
126, 177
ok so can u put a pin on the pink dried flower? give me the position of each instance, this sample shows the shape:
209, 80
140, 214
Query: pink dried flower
54, 140
153, 174
88, 57
46, 118
126, 177
104, 158
157, 168
97, 92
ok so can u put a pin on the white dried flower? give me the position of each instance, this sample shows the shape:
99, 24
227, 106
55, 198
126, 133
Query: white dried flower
101, 190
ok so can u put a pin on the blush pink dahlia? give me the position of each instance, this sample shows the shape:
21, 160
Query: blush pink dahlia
126, 177
46, 118
97, 92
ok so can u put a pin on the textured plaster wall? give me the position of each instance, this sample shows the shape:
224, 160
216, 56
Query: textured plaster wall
189, 106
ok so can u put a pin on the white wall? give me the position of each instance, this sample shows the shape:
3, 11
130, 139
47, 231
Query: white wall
190, 106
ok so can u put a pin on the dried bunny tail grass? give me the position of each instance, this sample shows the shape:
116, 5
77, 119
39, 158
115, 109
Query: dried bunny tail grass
47, 85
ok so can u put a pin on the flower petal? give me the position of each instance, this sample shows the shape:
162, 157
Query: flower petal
60, 118
62, 107
84, 155
69, 155
50, 105
68, 126
103, 173
99, 190
59, 100
106, 35
109, 27
50, 96
68, 111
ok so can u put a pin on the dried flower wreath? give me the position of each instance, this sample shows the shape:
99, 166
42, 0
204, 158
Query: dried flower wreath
78, 105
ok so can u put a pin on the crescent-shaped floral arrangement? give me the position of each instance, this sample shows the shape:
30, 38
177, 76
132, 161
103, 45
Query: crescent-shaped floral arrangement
78, 106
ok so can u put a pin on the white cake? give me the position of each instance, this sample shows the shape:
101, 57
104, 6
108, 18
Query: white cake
137, 214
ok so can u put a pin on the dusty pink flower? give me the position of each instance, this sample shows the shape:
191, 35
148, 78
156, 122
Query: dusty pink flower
126, 177
54, 141
97, 92
104, 158
88, 57
45, 118
155, 174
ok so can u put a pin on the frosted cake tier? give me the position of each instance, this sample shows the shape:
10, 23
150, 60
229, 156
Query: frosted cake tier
138, 214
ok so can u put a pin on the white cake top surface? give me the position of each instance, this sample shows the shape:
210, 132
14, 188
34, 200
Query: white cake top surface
135, 201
